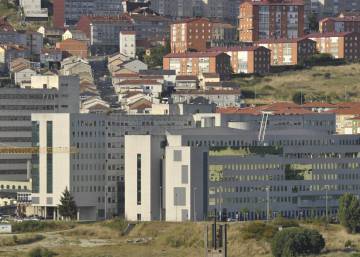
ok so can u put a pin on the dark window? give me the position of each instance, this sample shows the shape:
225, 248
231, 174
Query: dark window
138, 178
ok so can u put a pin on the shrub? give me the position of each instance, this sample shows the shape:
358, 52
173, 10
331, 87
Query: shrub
18, 240
35, 226
285, 223
348, 244
116, 224
41, 252
297, 241
259, 230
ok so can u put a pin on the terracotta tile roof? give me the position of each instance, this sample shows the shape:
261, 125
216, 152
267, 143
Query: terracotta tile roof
354, 118
149, 18
193, 55
281, 40
348, 104
128, 32
13, 47
140, 105
235, 49
126, 75
139, 82
236, 110
318, 105
209, 92
123, 17
191, 20
186, 77
274, 2
211, 75
342, 19
329, 34
346, 111
132, 93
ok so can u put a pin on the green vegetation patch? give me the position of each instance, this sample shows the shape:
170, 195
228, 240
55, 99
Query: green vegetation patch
245, 151
40, 226
20, 240
297, 171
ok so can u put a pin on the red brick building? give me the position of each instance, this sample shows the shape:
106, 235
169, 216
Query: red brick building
190, 34
195, 63
247, 60
72, 47
341, 45
340, 24
271, 19
59, 13
289, 51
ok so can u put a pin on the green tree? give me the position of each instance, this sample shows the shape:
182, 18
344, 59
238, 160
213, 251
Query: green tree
298, 98
155, 58
313, 22
349, 212
292, 242
41, 252
67, 208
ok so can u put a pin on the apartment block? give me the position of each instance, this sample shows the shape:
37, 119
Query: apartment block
289, 51
223, 97
271, 19
231, 170
195, 63
46, 94
248, 60
88, 158
173, 8
69, 12
151, 28
340, 24
103, 31
326, 8
190, 34
341, 45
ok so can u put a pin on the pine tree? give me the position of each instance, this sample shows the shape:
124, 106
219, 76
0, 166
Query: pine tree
67, 208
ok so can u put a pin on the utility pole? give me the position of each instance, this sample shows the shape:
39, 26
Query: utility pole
326, 202
267, 203
194, 199
160, 203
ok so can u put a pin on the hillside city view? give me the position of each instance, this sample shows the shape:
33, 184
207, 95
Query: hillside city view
179, 128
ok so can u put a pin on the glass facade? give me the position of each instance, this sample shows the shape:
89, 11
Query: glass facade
138, 179
35, 158
49, 157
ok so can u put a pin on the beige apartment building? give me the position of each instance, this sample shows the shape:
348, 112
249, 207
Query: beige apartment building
289, 51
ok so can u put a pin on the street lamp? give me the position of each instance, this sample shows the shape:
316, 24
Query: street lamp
326, 201
194, 199
160, 203
267, 203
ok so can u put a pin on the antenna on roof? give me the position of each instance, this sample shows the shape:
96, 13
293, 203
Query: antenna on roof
263, 126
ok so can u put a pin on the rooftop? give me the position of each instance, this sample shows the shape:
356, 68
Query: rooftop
193, 55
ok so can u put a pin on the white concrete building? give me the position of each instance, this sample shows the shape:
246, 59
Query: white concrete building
127, 43
16, 107
292, 167
89, 159
32, 10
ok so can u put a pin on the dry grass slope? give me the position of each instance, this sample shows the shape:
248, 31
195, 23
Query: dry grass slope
155, 239
320, 83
